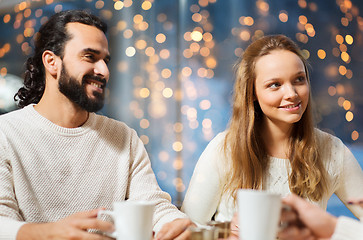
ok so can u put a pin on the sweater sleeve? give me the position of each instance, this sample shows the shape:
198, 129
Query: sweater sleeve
10, 219
205, 188
350, 180
348, 229
143, 185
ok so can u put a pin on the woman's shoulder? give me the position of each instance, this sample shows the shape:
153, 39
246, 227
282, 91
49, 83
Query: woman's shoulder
327, 138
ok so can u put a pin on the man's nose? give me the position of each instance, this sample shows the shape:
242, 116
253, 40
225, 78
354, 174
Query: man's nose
101, 69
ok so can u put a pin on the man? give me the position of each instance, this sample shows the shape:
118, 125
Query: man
59, 161
308, 221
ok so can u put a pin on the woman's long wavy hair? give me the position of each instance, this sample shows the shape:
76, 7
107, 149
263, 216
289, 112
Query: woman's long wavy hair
51, 36
244, 144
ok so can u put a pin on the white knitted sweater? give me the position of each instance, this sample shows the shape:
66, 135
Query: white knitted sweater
205, 192
48, 172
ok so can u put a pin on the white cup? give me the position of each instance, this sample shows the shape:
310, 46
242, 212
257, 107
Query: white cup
258, 214
133, 220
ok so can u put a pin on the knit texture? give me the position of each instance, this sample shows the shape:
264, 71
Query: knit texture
205, 197
48, 172
348, 229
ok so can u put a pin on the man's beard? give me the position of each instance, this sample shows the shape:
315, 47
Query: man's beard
76, 92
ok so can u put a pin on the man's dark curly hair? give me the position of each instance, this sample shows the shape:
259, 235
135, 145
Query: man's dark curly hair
52, 36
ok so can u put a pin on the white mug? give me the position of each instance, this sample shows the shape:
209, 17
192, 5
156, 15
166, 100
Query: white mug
133, 220
258, 214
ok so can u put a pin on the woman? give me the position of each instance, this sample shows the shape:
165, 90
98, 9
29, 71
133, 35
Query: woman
271, 142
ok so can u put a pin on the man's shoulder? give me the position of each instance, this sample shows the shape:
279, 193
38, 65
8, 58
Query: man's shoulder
13, 115
111, 124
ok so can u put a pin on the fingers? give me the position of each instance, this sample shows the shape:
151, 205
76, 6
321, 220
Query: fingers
174, 229
295, 233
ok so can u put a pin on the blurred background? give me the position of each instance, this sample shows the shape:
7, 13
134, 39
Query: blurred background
172, 67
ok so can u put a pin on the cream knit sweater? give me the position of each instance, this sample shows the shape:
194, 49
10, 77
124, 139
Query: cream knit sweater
205, 192
48, 172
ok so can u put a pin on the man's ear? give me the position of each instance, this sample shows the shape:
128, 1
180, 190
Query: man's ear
51, 62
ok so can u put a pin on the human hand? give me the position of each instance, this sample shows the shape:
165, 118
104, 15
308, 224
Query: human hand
305, 220
72, 227
176, 229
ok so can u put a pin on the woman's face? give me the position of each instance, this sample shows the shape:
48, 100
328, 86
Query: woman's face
281, 87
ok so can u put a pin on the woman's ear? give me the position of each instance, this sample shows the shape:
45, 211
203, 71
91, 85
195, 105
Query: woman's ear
50, 62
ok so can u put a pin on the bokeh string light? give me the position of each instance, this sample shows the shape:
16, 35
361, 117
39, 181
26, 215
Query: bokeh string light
171, 73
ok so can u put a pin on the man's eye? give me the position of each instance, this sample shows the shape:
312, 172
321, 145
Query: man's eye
91, 57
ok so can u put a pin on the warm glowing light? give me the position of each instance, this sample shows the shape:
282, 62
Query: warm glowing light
160, 38
203, 3
194, 8
349, 116
161, 17
178, 164
99, 4
149, 51
349, 74
166, 73
177, 146
6, 47
205, 104
146, 5
187, 53
342, 70
332, 91
121, 25
207, 123
188, 36
345, 56
118, 5
140, 44
143, 26
303, 20
305, 53
343, 48
207, 37
339, 39
355, 135
196, 36
178, 127
194, 47
283, 16
347, 105
204, 51
165, 54
164, 156
302, 3
340, 91
138, 18
144, 139
144, 123
344, 21
349, 39
144, 92
3, 71
38, 13
186, 71
128, 3
211, 62
197, 17
7, 18
130, 51
245, 35
167, 92
248, 21
128, 33
321, 54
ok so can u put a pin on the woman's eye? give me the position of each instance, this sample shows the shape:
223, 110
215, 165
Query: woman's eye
301, 79
273, 85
